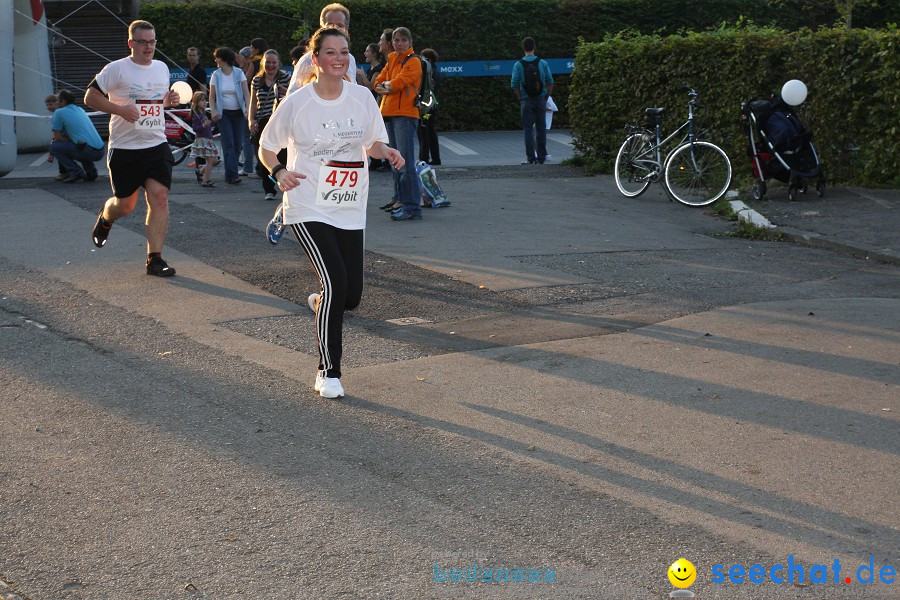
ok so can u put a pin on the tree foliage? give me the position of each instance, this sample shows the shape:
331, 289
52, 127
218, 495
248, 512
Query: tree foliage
463, 30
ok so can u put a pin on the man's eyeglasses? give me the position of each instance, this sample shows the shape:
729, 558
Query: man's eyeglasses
145, 42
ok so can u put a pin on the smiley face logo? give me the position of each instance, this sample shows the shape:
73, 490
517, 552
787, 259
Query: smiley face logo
682, 573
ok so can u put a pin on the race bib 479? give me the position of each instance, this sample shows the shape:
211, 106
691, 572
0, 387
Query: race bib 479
340, 184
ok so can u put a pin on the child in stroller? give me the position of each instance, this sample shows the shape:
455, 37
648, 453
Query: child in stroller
780, 147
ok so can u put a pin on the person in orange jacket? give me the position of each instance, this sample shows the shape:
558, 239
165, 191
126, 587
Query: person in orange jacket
398, 83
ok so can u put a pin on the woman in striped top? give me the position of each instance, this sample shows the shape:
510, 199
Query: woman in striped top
266, 90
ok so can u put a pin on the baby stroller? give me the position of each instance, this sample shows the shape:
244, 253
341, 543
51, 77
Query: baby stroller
780, 147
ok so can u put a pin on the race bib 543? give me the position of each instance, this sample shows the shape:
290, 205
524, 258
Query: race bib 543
150, 114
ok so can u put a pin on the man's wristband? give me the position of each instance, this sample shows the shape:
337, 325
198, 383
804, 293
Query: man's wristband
274, 170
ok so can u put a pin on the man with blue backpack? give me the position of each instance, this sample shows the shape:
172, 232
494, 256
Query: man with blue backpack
532, 82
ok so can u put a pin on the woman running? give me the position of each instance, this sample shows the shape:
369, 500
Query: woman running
328, 127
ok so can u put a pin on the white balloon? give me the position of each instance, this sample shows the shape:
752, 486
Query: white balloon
794, 92
185, 93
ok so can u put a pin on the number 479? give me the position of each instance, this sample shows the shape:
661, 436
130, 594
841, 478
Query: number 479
332, 178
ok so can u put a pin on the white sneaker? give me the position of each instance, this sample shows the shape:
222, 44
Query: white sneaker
313, 301
328, 387
270, 196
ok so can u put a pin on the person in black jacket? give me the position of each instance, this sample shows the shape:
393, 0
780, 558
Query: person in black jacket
429, 150
376, 60
196, 76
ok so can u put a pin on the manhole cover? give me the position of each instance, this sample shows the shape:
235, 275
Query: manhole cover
409, 321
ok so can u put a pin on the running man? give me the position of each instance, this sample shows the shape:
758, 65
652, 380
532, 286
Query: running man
135, 91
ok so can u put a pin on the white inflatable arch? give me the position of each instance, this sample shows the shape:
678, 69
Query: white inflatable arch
25, 79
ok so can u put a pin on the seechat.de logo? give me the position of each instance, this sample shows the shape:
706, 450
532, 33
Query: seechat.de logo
794, 572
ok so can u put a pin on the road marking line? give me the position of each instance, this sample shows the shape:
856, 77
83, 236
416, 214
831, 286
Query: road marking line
455, 147
560, 138
40, 160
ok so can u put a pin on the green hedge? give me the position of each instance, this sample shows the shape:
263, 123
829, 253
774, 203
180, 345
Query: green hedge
478, 29
851, 107
461, 30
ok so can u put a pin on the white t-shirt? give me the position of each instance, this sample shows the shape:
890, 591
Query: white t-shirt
229, 93
305, 68
314, 131
124, 81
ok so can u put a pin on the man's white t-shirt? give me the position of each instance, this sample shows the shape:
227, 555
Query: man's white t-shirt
315, 131
305, 68
124, 82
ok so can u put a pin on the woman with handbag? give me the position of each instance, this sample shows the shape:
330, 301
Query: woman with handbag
267, 89
228, 100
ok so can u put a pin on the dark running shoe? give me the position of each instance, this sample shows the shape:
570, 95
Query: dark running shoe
101, 230
402, 214
157, 266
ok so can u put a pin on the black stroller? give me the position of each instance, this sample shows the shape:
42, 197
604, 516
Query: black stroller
780, 147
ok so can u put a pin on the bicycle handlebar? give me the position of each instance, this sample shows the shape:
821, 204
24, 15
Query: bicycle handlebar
693, 95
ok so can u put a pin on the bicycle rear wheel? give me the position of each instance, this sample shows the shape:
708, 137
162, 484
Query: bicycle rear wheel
181, 147
697, 174
179, 153
632, 174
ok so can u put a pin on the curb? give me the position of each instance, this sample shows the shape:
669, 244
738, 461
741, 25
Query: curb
745, 213
816, 240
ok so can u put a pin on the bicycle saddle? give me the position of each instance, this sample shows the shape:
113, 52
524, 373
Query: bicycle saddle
654, 112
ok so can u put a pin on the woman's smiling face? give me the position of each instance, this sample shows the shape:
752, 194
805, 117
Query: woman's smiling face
333, 55
271, 63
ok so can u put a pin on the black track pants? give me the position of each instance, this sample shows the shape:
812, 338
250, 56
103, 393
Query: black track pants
337, 257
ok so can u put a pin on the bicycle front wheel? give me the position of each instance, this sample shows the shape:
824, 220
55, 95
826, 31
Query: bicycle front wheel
632, 173
698, 173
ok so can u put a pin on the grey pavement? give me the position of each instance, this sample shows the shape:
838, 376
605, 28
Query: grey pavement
543, 376
855, 221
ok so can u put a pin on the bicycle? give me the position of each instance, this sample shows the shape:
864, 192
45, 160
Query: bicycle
179, 135
180, 138
695, 173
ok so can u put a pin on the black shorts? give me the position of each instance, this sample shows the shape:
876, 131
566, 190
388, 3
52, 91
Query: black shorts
129, 169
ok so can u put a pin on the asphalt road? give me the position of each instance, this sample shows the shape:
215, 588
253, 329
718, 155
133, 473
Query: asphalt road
586, 389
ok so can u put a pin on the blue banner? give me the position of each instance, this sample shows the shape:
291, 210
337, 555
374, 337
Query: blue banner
471, 68
490, 68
